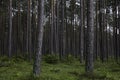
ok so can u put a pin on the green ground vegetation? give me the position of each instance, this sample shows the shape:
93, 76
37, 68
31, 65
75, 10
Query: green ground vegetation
20, 69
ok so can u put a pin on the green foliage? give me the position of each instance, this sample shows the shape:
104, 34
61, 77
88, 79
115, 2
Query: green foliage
30, 77
51, 58
22, 70
18, 59
76, 73
4, 58
55, 70
70, 59
5, 62
93, 76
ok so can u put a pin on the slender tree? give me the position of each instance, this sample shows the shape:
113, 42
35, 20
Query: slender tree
29, 41
10, 28
90, 36
81, 30
37, 62
57, 26
52, 26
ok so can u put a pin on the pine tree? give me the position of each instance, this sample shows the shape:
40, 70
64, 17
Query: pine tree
90, 36
10, 28
37, 62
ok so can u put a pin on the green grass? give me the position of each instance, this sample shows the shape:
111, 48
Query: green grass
22, 70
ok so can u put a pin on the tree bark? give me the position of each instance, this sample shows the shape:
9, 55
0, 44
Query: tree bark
81, 31
10, 29
29, 38
37, 62
90, 36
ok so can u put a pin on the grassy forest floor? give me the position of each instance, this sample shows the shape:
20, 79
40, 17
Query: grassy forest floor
18, 69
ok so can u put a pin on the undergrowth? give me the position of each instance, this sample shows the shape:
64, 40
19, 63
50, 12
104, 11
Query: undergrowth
19, 69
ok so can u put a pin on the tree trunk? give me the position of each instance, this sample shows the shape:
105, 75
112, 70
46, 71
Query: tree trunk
29, 49
81, 31
37, 62
90, 36
10, 28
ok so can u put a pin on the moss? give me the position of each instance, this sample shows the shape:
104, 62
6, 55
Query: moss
22, 70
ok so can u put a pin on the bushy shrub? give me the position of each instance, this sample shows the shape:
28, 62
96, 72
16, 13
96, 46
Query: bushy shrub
51, 58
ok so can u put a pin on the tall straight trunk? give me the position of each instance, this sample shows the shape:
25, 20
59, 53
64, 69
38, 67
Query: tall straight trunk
57, 27
104, 31
119, 31
115, 37
114, 25
33, 26
74, 31
96, 32
101, 25
107, 35
85, 29
19, 28
10, 28
66, 25
81, 31
52, 26
29, 29
63, 28
90, 36
49, 31
37, 62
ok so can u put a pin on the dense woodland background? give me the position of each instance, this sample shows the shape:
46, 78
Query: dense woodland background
82, 31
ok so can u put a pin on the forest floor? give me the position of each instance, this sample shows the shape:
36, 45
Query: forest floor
18, 69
